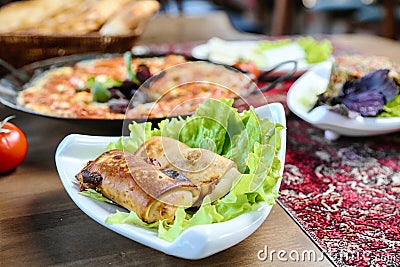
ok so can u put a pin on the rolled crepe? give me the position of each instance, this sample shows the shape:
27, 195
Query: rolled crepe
139, 185
212, 173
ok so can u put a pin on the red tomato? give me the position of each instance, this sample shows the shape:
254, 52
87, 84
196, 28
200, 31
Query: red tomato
13, 146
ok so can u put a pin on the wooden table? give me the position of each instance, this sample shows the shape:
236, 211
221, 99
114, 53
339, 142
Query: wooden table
40, 225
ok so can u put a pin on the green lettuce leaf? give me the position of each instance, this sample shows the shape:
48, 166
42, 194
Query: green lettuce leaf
316, 51
99, 89
251, 142
95, 195
392, 108
267, 45
207, 214
129, 218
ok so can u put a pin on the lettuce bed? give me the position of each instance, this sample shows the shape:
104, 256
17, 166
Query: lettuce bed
251, 142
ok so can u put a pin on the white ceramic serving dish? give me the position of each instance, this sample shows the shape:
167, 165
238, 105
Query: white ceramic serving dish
303, 95
196, 242
202, 52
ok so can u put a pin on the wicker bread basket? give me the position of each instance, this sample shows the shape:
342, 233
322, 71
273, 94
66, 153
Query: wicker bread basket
19, 50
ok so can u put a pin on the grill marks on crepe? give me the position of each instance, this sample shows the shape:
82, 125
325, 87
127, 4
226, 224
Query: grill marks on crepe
163, 174
138, 184
212, 173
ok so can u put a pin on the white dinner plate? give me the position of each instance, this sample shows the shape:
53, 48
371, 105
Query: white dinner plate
202, 52
303, 95
194, 243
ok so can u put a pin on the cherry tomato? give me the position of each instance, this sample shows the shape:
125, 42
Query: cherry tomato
248, 66
13, 146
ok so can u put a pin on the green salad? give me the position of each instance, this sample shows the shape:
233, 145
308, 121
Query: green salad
252, 142
314, 51
392, 108
268, 53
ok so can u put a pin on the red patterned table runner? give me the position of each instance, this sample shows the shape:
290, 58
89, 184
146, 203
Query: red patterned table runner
345, 194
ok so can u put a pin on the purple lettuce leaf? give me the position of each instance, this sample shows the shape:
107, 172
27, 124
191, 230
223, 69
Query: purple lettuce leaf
368, 94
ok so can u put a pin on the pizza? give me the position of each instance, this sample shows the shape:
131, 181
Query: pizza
139, 87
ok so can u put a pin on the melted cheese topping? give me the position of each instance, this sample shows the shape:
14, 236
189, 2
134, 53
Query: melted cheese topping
61, 92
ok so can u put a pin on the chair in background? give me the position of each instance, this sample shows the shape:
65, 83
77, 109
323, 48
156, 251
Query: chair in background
330, 16
373, 16
380, 18
284, 17
244, 15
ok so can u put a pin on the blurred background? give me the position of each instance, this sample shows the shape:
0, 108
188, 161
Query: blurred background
277, 17
270, 17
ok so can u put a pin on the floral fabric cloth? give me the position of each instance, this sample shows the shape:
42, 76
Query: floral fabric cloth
345, 194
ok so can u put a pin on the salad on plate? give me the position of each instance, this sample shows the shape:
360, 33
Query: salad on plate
361, 85
266, 54
352, 95
206, 219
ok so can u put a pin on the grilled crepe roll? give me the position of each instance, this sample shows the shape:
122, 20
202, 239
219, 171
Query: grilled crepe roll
212, 173
139, 185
